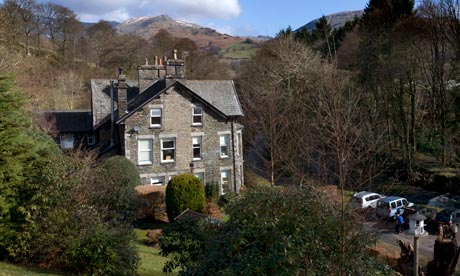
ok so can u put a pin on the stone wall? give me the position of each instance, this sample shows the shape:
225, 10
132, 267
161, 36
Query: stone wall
177, 107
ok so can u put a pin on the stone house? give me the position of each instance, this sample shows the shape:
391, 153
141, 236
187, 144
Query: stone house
70, 129
168, 125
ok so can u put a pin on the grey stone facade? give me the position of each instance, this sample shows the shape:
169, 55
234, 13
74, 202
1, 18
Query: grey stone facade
162, 94
177, 111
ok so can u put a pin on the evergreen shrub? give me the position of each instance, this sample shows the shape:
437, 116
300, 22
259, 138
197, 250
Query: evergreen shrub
184, 191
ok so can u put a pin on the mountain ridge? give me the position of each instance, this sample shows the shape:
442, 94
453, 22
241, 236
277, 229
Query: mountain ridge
336, 20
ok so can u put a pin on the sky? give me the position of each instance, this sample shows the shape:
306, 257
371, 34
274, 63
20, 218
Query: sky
233, 17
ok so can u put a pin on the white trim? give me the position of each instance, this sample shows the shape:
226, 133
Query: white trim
221, 182
163, 158
226, 139
197, 134
167, 135
201, 115
155, 116
199, 146
146, 136
224, 132
148, 150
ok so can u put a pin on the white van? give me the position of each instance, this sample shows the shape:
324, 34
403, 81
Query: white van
389, 206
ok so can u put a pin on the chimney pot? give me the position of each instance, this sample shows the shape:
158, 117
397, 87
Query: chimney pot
120, 70
146, 62
156, 60
161, 62
175, 54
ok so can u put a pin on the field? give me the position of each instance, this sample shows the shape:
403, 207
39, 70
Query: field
239, 50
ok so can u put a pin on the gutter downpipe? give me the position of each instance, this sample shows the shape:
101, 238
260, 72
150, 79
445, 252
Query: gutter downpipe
233, 155
112, 115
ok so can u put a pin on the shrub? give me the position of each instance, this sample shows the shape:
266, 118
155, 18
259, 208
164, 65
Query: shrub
273, 232
122, 171
212, 190
184, 191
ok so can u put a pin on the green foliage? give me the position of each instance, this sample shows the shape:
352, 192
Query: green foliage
183, 241
82, 223
122, 171
104, 251
276, 232
23, 163
212, 190
184, 191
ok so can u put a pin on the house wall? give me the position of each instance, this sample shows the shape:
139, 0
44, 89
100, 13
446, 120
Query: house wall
177, 122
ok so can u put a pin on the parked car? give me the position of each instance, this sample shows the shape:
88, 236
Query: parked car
449, 216
388, 207
365, 200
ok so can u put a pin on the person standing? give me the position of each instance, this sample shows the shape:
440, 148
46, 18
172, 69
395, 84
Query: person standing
400, 221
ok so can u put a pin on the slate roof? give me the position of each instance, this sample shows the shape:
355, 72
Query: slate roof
220, 93
65, 121
100, 97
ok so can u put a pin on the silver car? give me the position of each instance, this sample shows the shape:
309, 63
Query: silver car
365, 199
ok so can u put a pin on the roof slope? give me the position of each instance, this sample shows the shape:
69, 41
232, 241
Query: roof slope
100, 97
220, 93
64, 121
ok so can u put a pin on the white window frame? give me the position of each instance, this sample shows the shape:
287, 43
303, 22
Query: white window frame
152, 115
224, 142
163, 149
239, 143
157, 181
67, 141
228, 174
149, 150
195, 115
197, 146
91, 139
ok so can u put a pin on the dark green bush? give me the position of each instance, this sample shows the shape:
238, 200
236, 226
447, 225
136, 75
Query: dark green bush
122, 171
274, 231
184, 191
212, 190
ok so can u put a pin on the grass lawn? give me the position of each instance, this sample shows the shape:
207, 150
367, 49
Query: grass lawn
7, 269
151, 263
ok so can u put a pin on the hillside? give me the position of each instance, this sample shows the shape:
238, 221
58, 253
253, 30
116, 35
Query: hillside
148, 26
336, 20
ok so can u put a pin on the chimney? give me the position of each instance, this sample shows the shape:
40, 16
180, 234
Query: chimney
148, 73
122, 93
175, 68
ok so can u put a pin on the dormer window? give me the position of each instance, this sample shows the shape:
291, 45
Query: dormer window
197, 116
155, 117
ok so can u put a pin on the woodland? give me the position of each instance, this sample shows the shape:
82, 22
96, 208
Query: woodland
373, 102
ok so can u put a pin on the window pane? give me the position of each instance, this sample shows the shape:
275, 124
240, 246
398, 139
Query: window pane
168, 154
145, 144
197, 110
197, 119
155, 112
196, 153
155, 120
168, 144
223, 140
168, 149
145, 151
200, 175
155, 117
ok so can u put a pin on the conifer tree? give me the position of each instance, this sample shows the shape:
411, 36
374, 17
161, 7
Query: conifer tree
15, 158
